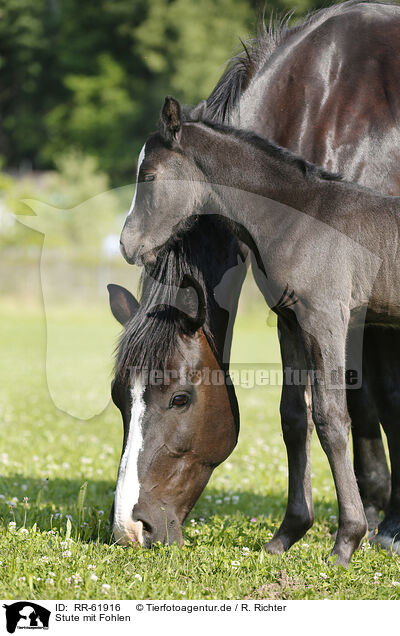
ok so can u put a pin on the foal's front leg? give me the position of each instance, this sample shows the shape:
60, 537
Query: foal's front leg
329, 409
297, 427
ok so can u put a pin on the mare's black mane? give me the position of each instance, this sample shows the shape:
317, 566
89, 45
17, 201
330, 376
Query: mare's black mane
155, 333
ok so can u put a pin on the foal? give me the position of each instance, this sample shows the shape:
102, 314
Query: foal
327, 245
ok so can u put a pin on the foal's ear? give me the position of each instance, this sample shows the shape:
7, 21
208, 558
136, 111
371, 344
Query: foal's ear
191, 303
171, 120
123, 304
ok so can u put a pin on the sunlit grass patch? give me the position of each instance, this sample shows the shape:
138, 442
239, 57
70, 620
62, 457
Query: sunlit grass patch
57, 477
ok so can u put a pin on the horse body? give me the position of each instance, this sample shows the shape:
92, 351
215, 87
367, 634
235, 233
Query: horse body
329, 93
303, 89
333, 273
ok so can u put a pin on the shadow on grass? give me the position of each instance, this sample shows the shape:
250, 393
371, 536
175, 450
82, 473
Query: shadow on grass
49, 503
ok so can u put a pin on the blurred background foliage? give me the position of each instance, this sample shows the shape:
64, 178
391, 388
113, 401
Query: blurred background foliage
81, 85
91, 75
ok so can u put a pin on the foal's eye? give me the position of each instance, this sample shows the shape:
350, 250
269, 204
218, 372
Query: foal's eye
149, 177
179, 400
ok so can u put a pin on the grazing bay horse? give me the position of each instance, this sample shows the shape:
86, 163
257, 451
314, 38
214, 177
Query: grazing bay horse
172, 384
328, 89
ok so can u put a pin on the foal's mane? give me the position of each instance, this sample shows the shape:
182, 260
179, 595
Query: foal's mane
307, 168
242, 67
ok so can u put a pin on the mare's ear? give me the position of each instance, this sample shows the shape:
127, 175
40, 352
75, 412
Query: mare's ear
198, 112
123, 304
171, 121
191, 303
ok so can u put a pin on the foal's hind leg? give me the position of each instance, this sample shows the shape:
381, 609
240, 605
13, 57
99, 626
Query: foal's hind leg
297, 428
370, 465
388, 535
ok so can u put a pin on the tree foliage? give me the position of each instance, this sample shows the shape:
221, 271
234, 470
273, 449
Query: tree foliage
91, 75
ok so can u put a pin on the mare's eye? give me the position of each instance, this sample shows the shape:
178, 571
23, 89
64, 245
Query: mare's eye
149, 177
179, 400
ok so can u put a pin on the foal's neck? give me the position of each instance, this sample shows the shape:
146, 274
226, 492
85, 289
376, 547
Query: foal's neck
248, 165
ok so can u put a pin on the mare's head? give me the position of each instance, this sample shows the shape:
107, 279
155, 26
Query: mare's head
170, 187
180, 416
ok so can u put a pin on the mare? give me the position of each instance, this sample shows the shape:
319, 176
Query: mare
172, 384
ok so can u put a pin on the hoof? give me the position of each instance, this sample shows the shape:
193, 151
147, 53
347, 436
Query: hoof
275, 546
336, 561
372, 515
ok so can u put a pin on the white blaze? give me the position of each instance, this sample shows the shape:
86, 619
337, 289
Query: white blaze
140, 161
127, 493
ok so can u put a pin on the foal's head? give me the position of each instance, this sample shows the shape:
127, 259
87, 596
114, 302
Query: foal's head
170, 187
180, 417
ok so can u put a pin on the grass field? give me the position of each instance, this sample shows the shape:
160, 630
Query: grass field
57, 476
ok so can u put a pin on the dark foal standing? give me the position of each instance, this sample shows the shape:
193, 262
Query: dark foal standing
321, 91
331, 243
327, 90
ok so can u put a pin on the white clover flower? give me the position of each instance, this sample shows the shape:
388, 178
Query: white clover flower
396, 583
323, 575
12, 526
235, 564
91, 566
93, 577
51, 574
66, 554
105, 588
245, 551
50, 582
100, 513
21, 578
138, 577
23, 532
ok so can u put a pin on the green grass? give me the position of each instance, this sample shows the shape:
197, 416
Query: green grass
60, 546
